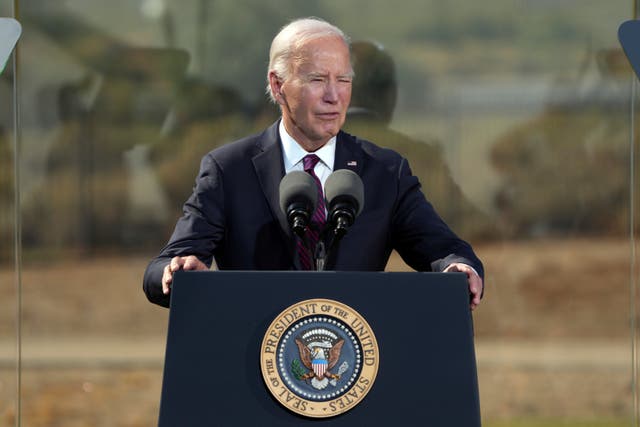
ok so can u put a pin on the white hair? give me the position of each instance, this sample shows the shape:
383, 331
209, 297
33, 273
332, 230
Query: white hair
291, 37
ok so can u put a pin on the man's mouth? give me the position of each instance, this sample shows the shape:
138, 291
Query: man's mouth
329, 116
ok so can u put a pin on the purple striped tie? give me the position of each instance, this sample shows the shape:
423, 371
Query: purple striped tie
318, 219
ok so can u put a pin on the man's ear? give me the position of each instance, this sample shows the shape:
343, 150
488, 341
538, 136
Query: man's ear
275, 83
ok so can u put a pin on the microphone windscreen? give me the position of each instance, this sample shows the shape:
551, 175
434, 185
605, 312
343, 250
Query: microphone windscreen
298, 187
345, 182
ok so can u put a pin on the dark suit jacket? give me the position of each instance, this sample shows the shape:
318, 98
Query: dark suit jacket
234, 215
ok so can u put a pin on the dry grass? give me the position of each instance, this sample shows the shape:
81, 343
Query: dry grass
541, 291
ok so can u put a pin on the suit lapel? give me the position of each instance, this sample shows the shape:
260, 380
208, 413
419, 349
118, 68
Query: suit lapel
269, 167
348, 154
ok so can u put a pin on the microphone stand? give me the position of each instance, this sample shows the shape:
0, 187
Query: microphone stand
321, 253
320, 256
341, 217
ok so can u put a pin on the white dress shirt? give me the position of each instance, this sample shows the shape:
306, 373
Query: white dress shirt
293, 154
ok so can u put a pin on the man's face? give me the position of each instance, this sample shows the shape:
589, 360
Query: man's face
315, 97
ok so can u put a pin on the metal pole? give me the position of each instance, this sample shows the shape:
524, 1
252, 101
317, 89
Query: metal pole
18, 221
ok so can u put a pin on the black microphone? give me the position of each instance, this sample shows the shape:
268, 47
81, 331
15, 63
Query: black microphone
345, 199
298, 199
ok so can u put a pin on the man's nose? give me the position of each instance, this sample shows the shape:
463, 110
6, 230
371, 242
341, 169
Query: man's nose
331, 92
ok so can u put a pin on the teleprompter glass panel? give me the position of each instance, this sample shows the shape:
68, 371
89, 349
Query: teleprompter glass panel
513, 114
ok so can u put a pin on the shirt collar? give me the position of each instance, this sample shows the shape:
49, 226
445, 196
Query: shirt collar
293, 153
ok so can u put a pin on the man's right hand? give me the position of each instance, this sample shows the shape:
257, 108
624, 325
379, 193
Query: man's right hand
177, 263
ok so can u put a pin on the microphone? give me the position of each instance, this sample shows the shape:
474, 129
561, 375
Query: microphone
345, 199
298, 199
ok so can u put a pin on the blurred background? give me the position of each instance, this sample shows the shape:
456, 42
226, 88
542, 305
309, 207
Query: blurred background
518, 116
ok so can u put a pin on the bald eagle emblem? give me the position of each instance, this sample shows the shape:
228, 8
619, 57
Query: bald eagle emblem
319, 351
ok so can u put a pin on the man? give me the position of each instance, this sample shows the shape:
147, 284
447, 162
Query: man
234, 216
373, 101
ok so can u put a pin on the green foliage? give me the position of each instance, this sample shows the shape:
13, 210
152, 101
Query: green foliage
111, 93
567, 171
297, 370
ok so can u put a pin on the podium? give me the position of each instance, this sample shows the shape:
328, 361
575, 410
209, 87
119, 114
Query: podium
426, 373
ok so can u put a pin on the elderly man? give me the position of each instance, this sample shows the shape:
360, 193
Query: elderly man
234, 217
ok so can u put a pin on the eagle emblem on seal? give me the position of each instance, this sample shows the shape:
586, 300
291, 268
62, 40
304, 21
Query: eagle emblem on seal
320, 353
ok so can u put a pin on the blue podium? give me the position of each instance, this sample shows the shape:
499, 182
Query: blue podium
426, 373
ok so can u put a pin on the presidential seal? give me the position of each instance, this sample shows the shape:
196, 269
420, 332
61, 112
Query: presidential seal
319, 358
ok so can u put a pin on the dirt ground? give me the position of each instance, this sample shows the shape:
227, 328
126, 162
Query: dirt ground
552, 337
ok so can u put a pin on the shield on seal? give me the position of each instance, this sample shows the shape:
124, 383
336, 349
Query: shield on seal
319, 366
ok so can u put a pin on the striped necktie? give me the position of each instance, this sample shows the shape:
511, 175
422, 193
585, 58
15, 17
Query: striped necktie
318, 219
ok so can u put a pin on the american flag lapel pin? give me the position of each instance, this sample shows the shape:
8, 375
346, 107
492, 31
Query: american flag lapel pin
352, 163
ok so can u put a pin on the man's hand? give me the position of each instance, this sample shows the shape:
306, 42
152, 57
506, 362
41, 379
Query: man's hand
179, 262
475, 282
